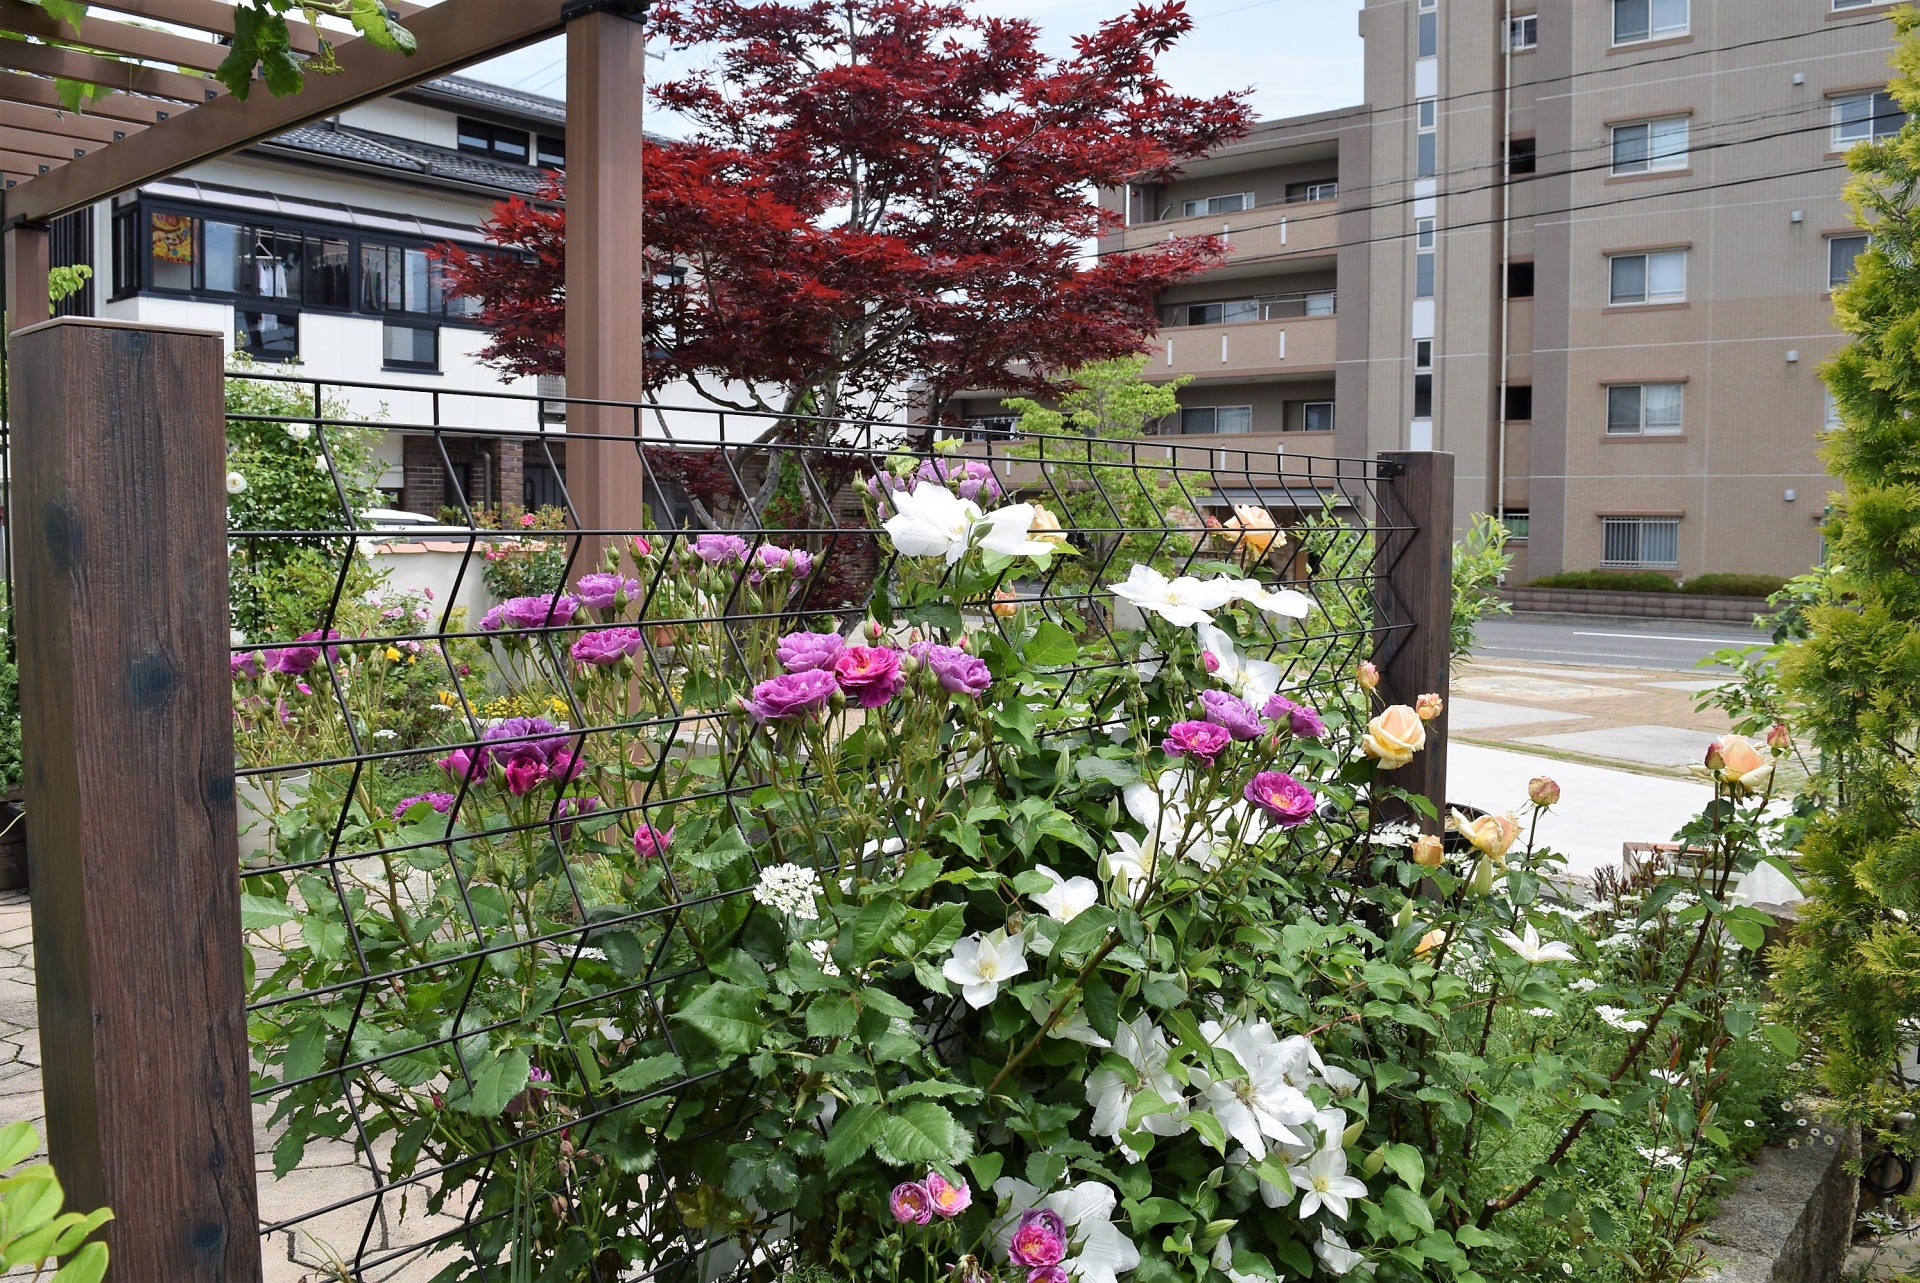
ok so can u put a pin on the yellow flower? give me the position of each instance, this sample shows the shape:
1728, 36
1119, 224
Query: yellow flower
1429, 942
1429, 852
557, 705
1394, 737
1045, 527
1491, 835
446, 697
1429, 707
1250, 533
393, 655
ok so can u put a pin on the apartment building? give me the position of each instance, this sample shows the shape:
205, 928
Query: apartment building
1586, 247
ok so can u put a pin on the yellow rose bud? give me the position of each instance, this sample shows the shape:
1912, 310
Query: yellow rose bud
1429, 942
1780, 738
1735, 762
1543, 791
393, 655
1429, 707
1394, 737
1369, 675
1006, 603
1491, 835
1249, 534
1045, 527
1429, 852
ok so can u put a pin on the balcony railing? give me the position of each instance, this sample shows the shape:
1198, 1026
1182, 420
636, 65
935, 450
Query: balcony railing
1270, 307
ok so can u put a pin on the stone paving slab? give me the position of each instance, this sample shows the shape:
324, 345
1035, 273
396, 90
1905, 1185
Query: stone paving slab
1525, 687
1646, 745
1484, 714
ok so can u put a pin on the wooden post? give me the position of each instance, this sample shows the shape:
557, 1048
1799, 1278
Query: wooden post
606, 81
119, 434
29, 259
1413, 603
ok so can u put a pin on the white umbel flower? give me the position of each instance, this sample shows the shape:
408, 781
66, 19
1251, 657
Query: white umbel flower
982, 963
791, 889
822, 951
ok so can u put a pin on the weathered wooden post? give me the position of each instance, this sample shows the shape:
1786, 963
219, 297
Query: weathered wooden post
1413, 603
120, 517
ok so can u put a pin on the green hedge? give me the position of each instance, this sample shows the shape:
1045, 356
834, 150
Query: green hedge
1728, 585
1716, 585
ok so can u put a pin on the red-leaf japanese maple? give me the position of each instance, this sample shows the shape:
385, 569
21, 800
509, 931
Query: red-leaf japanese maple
884, 202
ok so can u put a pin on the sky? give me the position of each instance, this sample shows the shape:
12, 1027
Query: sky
1296, 56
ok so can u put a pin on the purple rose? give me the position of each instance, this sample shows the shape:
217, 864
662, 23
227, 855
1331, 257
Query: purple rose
772, 559
792, 695
949, 1200
244, 667
1282, 797
607, 647
441, 802
1300, 719
1039, 1239
720, 550
649, 842
911, 1204
297, 660
1233, 713
606, 592
870, 675
462, 764
531, 612
803, 652
1202, 741
959, 672
968, 478
1048, 1274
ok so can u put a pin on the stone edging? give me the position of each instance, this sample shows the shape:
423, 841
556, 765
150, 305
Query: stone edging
1644, 605
1790, 1220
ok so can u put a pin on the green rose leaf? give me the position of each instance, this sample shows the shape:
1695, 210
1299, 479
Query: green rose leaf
853, 1135
873, 924
496, 1080
727, 1015
924, 1132
831, 1016
646, 1072
1050, 646
258, 911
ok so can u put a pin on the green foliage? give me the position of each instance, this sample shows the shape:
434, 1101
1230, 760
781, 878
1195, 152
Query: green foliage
526, 565
33, 1229
1480, 562
1847, 975
1735, 585
65, 282
1610, 581
279, 480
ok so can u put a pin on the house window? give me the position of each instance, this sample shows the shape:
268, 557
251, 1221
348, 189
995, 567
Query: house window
1324, 189
1650, 146
126, 252
1644, 409
1641, 541
1422, 354
1233, 204
1520, 403
1426, 138
1316, 416
498, 141
1648, 278
1207, 420
1423, 255
267, 336
1518, 522
1842, 251
550, 153
1522, 157
1838, 5
1519, 280
986, 428
1223, 313
1635, 20
1864, 118
1832, 420
1523, 33
411, 347
1423, 396
1428, 34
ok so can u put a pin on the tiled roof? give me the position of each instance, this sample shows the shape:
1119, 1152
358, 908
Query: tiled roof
498, 97
408, 157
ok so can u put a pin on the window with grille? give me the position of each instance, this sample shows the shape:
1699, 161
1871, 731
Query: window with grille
1650, 146
1648, 278
1518, 523
1648, 542
1644, 409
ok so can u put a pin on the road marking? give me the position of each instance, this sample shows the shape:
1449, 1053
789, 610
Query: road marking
1652, 666
1718, 641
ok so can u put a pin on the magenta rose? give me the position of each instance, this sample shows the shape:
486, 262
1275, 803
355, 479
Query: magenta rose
441, 802
720, 550
792, 695
543, 611
524, 777
607, 647
649, 842
949, 1199
462, 764
531, 739
911, 1204
1233, 713
244, 667
1284, 799
1202, 741
1049, 1274
803, 652
870, 675
606, 592
959, 672
295, 661
1298, 718
1039, 1240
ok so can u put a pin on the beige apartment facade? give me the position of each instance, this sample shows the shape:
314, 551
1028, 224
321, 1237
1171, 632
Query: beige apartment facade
1618, 334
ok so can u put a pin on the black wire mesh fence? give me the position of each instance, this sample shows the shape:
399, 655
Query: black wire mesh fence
467, 745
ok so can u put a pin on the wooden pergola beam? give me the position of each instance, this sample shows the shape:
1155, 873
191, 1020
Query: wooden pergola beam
124, 38
29, 164
204, 15
65, 124
29, 142
71, 64
131, 108
451, 35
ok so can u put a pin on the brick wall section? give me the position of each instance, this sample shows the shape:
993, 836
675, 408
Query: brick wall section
424, 479
1641, 605
509, 463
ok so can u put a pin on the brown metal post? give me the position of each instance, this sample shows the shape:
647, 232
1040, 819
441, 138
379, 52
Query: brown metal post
606, 60
29, 259
119, 433
1413, 603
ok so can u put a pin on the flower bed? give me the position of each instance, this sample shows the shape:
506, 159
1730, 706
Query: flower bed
969, 939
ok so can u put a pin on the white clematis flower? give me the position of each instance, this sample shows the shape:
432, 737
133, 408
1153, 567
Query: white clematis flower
982, 963
1067, 898
1130, 868
932, 521
1254, 680
1334, 1253
1097, 1252
1223, 1261
1323, 1182
1262, 1105
1005, 532
1284, 602
1531, 950
1144, 1047
1182, 602
1075, 1027
1163, 808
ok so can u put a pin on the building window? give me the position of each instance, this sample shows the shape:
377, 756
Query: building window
1644, 409
127, 255
1842, 252
1323, 189
1223, 313
543, 484
267, 336
1423, 244
1518, 522
1519, 280
1865, 118
1422, 354
411, 347
1316, 416
1423, 396
1427, 35
1832, 420
1523, 157
1651, 146
1519, 403
1648, 278
498, 141
1523, 33
1652, 542
1635, 20
1426, 138
990, 427
1233, 204
550, 153
1838, 5
1207, 420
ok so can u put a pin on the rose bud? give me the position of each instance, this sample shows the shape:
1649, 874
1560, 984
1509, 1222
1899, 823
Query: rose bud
1543, 791
1429, 707
1429, 852
1369, 675
1780, 738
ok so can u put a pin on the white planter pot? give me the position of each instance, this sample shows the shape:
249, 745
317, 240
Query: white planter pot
254, 798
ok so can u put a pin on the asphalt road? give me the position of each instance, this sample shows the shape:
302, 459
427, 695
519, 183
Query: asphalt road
1676, 645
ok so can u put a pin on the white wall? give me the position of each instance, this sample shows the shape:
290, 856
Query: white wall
289, 178
409, 120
